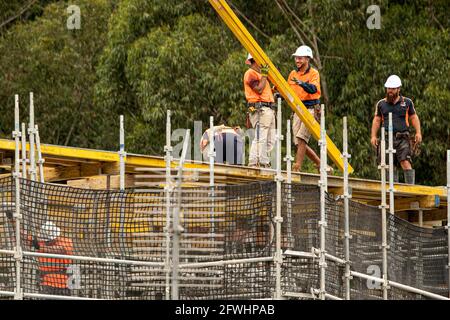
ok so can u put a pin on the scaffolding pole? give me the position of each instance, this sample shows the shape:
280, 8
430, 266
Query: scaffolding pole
323, 191
168, 189
278, 219
122, 154
383, 207
177, 228
346, 197
40, 159
18, 256
288, 160
32, 132
211, 157
391, 152
24, 151
448, 218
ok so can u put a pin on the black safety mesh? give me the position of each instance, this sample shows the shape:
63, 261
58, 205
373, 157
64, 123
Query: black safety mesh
236, 224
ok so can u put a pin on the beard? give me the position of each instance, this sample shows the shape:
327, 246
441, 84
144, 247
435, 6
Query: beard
391, 97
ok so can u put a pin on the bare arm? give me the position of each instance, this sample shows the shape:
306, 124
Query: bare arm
376, 123
261, 85
416, 125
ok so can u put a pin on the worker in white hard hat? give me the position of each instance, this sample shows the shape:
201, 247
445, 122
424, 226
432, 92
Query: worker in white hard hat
403, 112
305, 81
260, 112
54, 279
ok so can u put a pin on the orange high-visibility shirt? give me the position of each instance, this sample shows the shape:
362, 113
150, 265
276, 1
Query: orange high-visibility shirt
311, 76
252, 78
53, 270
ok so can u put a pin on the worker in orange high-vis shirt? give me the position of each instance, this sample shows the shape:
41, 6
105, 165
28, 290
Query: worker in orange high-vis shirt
305, 81
53, 271
261, 115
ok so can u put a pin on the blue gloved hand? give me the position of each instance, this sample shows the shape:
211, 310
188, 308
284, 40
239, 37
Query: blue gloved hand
298, 82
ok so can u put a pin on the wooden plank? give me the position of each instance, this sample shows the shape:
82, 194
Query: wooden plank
99, 182
71, 172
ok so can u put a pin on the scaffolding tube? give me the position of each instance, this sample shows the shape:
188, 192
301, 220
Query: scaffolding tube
85, 258
168, 190
225, 262
122, 154
278, 219
383, 207
211, 155
399, 286
323, 191
346, 197
391, 152
17, 214
288, 160
39, 153
32, 132
177, 229
24, 151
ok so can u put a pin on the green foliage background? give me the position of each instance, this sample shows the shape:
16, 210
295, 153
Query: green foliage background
142, 57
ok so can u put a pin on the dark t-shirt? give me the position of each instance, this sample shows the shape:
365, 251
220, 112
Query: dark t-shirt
403, 109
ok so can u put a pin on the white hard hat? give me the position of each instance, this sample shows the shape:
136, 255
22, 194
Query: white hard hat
303, 51
49, 231
249, 56
393, 82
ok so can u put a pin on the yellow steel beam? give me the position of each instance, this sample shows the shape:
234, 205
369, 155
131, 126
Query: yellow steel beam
234, 173
70, 152
249, 43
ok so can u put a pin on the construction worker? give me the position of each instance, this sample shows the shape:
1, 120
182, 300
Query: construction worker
305, 81
403, 112
228, 145
261, 115
54, 279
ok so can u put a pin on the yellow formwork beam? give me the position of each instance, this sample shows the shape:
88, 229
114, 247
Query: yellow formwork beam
249, 43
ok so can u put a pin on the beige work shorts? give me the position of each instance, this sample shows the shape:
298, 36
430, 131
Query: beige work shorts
299, 129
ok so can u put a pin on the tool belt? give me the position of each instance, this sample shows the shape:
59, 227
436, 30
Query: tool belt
253, 106
402, 135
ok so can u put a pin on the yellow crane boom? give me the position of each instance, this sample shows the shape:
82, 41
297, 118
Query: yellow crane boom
249, 43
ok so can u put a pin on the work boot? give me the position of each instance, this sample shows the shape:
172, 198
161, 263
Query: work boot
410, 176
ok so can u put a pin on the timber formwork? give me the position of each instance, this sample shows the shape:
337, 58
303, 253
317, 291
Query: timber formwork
99, 169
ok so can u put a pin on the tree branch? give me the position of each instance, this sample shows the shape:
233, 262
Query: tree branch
21, 12
248, 20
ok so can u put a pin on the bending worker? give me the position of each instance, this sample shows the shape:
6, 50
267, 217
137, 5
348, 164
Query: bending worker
403, 112
228, 145
54, 279
305, 81
260, 104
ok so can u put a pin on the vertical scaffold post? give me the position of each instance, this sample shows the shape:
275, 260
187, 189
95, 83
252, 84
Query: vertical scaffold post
391, 152
448, 218
123, 196
177, 228
383, 213
346, 196
31, 132
17, 215
211, 157
323, 190
40, 159
168, 191
278, 219
24, 151
288, 160
122, 154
